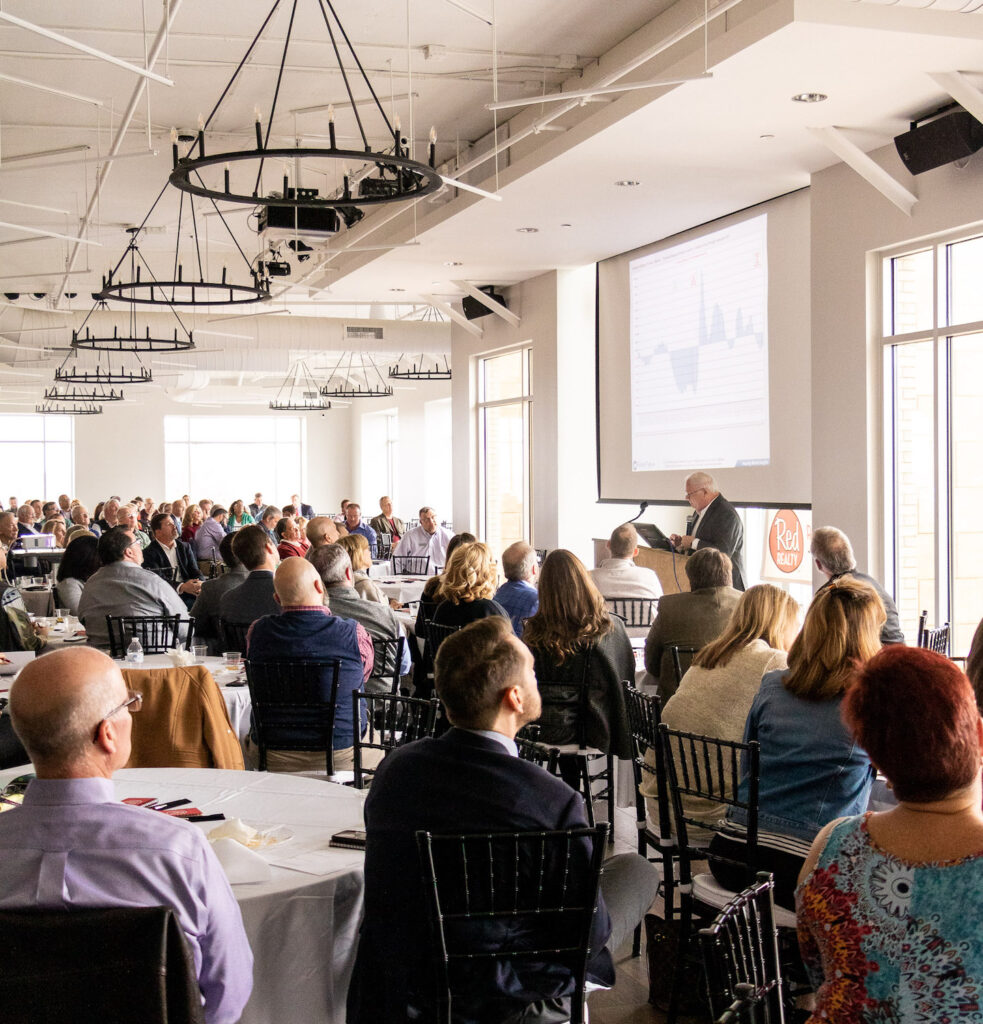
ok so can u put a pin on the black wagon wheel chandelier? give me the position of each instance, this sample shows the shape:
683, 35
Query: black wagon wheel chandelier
421, 367
80, 408
82, 393
299, 392
389, 176
343, 382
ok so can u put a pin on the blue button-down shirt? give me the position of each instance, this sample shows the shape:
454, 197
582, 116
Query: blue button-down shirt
520, 599
369, 534
72, 845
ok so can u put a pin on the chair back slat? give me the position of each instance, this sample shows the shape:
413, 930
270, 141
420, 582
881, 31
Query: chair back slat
634, 611
682, 655
293, 705
388, 659
411, 565
392, 720
740, 955
233, 635
156, 633
695, 767
512, 896
435, 634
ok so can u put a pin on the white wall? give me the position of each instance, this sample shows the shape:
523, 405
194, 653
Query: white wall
420, 451
850, 220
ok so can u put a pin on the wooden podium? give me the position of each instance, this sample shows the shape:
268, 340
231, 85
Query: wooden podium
667, 565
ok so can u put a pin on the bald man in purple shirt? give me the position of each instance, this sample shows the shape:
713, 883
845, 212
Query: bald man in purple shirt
72, 844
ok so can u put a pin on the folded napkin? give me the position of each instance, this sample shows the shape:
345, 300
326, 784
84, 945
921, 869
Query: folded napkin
239, 864
180, 657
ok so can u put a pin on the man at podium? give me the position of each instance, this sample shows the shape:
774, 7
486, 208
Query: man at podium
713, 524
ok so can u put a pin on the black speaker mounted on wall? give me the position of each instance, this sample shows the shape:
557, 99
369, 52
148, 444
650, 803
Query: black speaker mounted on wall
953, 136
474, 309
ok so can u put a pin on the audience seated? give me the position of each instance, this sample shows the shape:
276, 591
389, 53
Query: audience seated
268, 520
109, 512
256, 506
73, 845
618, 576
354, 525
715, 695
335, 569
518, 595
254, 596
123, 587
238, 517
207, 606
193, 519
209, 537
56, 527
167, 551
428, 538
79, 562
304, 510
812, 769
128, 518
290, 541
320, 530
17, 633
692, 619
386, 522
26, 517
833, 554
572, 626
885, 902
307, 630
80, 517
8, 531
467, 586
357, 549
470, 780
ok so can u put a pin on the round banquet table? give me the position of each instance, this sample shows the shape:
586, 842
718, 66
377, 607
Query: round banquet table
303, 923
402, 588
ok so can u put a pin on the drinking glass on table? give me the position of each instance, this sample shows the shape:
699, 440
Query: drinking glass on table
232, 660
200, 652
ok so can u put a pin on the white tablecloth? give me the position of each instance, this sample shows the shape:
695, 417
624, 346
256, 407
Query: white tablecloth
402, 588
302, 927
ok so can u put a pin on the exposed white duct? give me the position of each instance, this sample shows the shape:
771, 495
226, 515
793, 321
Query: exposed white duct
953, 6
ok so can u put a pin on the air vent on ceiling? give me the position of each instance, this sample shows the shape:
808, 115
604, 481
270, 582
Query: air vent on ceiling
376, 333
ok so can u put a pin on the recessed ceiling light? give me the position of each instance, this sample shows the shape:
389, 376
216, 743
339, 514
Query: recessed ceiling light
809, 97
566, 225
627, 183
527, 231
766, 137
452, 263
397, 289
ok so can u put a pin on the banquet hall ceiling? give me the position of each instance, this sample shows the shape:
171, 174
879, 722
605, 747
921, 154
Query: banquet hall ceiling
698, 150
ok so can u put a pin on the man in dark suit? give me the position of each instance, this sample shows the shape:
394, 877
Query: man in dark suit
254, 597
301, 507
206, 608
833, 552
387, 522
692, 619
713, 524
166, 551
471, 780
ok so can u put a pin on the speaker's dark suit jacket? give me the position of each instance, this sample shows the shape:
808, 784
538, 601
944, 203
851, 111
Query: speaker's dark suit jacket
721, 528
251, 600
461, 782
155, 557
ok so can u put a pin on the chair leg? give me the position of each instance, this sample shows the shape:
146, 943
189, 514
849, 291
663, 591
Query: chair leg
636, 942
685, 917
588, 794
611, 799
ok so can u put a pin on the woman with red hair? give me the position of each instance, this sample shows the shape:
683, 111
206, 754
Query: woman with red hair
887, 901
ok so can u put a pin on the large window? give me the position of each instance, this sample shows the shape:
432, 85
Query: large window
38, 456
933, 337
380, 459
228, 457
504, 446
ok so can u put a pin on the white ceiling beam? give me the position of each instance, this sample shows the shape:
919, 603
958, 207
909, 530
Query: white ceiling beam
47, 234
488, 302
459, 318
853, 156
28, 84
586, 94
74, 44
962, 90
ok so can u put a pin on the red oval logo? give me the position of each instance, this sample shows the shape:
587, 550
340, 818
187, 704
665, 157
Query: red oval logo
786, 540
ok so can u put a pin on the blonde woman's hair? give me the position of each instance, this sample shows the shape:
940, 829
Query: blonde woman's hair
469, 574
571, 609
842, 630
764, 613
189, 515
357, 547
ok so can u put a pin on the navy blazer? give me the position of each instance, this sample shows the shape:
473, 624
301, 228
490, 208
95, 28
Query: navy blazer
461, 782
721, 528
155, 557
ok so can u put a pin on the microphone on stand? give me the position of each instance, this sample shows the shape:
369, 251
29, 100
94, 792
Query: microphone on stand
641, 508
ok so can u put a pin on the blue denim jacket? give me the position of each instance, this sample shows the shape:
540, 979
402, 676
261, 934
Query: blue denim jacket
812, 770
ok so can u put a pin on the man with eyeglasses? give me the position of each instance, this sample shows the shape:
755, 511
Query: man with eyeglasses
71, 845
713, 524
